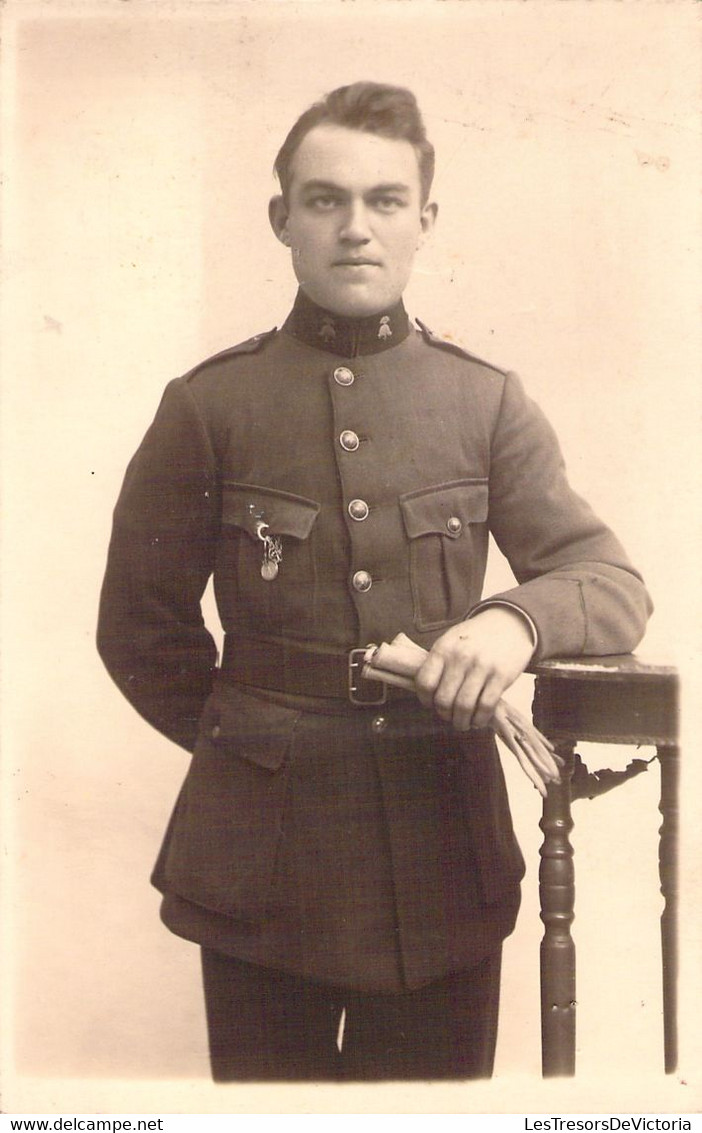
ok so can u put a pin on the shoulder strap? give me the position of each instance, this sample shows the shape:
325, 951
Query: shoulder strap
249, 346
453, 348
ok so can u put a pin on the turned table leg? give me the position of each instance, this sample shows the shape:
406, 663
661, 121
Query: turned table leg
669, 757
557, 896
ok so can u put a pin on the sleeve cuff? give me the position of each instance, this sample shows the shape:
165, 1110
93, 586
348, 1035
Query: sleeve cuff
510, 606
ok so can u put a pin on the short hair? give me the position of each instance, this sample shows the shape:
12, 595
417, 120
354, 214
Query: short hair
373, 108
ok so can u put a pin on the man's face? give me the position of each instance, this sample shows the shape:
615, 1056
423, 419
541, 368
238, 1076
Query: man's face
354, 218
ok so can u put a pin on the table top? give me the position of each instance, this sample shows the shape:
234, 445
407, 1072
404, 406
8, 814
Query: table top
615, 666
615, 699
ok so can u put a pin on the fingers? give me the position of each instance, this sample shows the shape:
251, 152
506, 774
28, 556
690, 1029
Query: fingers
476, 708
466, 698
428, 677
471, 665
474, 702
463, 682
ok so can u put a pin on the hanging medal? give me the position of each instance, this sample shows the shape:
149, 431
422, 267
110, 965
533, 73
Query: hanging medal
272, 551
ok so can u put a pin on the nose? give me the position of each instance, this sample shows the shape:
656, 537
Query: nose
355, 228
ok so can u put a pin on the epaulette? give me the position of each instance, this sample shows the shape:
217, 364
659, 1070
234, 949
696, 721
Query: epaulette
253, 345
250, 346
453, 348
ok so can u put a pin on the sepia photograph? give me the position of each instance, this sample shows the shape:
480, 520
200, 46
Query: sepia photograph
350, 538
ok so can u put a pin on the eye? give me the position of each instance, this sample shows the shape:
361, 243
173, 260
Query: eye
323, 202
388, 202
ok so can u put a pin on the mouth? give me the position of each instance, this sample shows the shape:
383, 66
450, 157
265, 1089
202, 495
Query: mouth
352, 262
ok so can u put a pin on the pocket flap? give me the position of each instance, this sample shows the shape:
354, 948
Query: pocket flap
444, 509
254, 729
246, 504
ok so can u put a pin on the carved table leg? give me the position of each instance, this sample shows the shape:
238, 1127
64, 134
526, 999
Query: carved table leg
557, 896
668, 869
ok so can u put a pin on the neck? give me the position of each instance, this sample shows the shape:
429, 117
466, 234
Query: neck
343, 335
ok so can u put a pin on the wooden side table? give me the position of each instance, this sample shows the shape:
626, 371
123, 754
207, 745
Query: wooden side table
619, 700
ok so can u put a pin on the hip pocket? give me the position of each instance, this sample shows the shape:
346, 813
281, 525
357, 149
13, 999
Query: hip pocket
222, 841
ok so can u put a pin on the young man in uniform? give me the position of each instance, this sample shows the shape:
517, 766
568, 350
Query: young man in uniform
339, 477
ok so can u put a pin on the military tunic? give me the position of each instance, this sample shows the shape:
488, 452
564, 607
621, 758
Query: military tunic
366, 846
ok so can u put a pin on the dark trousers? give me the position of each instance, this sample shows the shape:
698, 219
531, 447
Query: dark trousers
266, 1025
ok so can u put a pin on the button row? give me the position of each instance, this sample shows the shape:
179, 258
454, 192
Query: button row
348, 440
357, 509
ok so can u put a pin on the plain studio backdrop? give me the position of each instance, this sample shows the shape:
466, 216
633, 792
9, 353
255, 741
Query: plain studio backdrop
138, 146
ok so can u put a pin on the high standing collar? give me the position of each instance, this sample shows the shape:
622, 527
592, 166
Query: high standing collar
346, 336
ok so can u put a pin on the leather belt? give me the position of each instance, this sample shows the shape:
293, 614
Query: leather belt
291, 668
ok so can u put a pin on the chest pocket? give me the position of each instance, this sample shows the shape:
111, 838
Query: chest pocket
273, 599
244, 505
446, 525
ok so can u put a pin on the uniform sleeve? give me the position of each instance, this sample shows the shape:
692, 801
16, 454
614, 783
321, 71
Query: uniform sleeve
151, 633
575, 580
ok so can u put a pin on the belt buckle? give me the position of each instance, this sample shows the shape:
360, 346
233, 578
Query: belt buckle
357, 658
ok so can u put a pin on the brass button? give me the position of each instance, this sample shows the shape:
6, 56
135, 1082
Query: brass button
361, 581
379, 724
454, 525
216, 732
358, 510
343, 376
349, 440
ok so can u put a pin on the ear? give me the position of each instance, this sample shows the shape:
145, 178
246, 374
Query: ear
278, 216
427, 220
